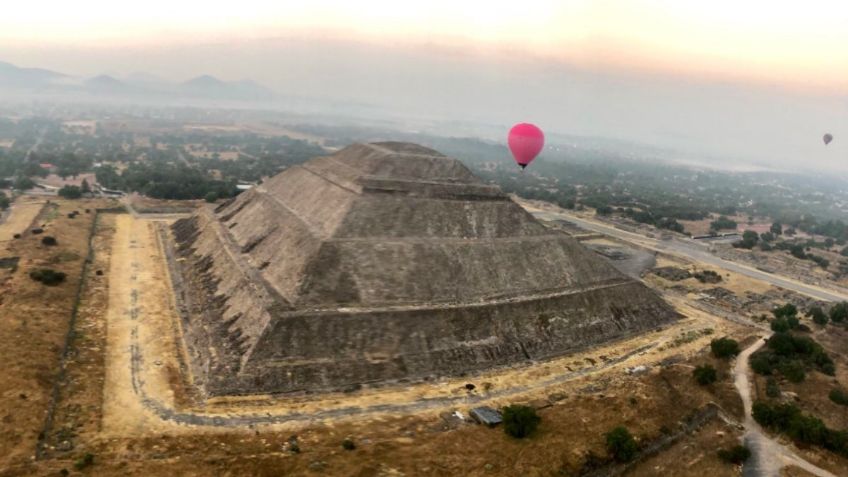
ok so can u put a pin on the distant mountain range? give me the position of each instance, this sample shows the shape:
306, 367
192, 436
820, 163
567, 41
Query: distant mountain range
136, 85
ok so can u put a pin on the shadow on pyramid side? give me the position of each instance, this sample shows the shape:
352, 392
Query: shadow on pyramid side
386, 262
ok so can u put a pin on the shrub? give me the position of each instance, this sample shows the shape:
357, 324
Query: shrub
84, 461
772, 389
839, 312
818, 315
520, 421
621, 445
724, 347
784, 311
49, 241
348, 444
761, 363
70, 192
47, 276
791, 355
705, 374
735, 455
211, 197
793, 371
802, 428
838, 396
780, 325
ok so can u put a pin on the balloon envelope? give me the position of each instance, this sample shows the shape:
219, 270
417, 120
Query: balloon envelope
525, 142
827, 138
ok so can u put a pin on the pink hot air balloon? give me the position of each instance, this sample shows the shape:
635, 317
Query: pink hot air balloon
526, 142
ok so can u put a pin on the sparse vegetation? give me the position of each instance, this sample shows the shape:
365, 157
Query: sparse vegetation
520, 421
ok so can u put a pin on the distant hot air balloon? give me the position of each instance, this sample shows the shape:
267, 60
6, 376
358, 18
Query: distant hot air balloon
525, 142
827, 138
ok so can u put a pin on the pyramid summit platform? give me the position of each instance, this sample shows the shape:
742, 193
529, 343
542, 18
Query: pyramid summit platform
386, 262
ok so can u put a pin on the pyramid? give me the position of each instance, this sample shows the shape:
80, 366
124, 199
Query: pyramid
386, 262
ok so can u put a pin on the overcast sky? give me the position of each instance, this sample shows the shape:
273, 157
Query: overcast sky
753, 81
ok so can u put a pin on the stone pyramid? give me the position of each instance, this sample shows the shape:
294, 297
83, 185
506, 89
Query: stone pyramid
387, 262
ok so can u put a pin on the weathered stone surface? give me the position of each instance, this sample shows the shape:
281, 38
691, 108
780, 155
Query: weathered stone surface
384, 262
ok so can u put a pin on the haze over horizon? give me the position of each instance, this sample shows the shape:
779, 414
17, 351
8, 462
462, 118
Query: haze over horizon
754, 82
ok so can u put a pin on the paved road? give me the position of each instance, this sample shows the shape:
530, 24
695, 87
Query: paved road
698, 252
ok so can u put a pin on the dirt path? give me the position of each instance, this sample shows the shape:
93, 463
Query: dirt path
768, 456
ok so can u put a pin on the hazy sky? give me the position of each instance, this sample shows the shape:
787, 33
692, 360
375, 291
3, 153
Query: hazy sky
748, 79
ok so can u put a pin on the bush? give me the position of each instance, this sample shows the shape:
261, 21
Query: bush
801, 428
791, 355
211, 197
348, 444
84, 461
839, 312
780, 325
785, 311
70, 192
47, 276
838, 396
735, 455
793, 371
818, 315
761, 363
49, 241
772, 389
520, 421
621, 445
705, 374
724, 347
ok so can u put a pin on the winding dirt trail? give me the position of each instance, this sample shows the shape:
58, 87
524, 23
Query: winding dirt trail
768, 456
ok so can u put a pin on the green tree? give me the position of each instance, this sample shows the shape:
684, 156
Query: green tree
70, 192
818, 315
749, 240
621, 445
839, 396
839, 312
705, 374
776, 228
785, 311
211, 197
724, 347
24, 183
85, 187
735, 455
520, 421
